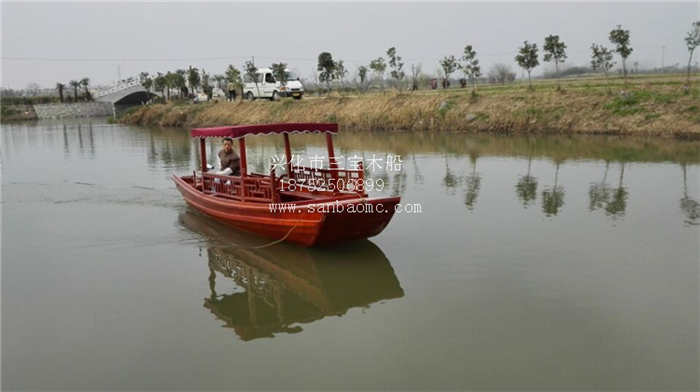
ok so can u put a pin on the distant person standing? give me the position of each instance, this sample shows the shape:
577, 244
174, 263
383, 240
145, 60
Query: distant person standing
231, 91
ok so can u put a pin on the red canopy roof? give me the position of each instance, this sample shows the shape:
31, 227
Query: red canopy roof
239, 131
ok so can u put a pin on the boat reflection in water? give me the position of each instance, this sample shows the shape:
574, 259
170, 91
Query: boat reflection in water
276, 287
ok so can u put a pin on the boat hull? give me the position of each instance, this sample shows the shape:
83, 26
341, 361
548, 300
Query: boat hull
322, 222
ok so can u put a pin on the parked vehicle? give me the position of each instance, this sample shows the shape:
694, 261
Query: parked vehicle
268, 87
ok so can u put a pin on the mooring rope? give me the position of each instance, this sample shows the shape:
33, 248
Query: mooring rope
286, 235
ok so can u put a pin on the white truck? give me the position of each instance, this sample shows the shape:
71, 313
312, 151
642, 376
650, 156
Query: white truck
268, 87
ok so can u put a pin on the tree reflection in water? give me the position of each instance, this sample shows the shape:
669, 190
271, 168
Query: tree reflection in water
689, 206
526, 188
451, 181
473, 185
399, 185
599, 193
417, 176
553, 199
618, 204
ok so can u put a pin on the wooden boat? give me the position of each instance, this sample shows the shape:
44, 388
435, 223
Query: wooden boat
322, 209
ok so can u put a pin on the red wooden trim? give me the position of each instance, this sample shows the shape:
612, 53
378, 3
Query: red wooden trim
288, 155
203, 153
361, 168
344, 177
273, 187
331, 158
244, 162
244, 189
240, 131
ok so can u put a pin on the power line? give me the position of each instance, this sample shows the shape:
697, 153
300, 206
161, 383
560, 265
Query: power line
260, 57
119, 60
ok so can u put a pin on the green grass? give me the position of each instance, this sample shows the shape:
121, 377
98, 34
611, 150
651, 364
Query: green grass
6, 110
129, 111
620, 107
624, 106
635, 101
540, 114
443, 109
654, 97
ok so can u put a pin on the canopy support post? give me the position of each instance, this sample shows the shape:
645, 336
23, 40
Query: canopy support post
203, 154
332, 162
288, 154
244, 162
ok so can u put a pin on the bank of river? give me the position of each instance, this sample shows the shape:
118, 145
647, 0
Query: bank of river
664, 110
9, 113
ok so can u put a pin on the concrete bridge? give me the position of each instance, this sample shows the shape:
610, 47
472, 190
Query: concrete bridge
126, 92
129, 96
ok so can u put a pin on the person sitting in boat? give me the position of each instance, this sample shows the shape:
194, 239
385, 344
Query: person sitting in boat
229, 161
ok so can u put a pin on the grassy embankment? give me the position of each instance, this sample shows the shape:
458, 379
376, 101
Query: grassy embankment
10, 113
656, 105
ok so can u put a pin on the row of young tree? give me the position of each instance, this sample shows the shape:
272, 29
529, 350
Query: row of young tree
331, 70
527, 58
601, 57
83, 83
188, 81
178, 80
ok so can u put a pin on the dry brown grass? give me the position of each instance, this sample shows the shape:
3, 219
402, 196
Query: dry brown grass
656, 107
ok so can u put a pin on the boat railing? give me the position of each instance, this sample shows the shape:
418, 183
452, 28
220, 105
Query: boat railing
252, 189
331, 179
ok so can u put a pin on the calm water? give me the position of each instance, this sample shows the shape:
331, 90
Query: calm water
536, 263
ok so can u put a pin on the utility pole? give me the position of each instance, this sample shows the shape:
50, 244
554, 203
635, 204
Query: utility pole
663, 55
119, 73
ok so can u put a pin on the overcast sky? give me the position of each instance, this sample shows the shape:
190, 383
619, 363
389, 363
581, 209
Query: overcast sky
136, 37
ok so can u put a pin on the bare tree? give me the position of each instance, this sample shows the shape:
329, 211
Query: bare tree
602, 60
32, 89
501, 73
415, 73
